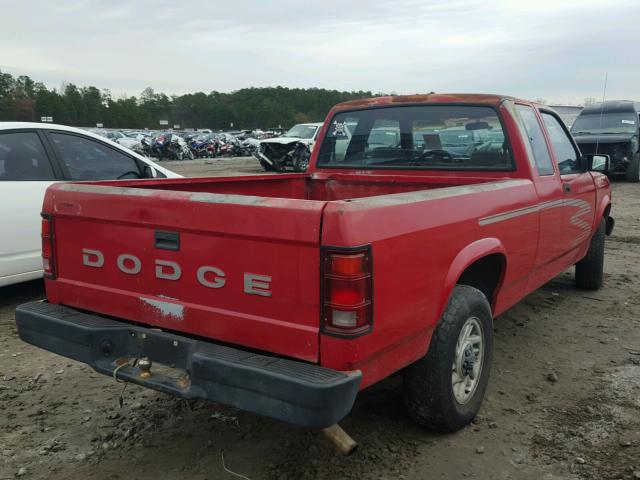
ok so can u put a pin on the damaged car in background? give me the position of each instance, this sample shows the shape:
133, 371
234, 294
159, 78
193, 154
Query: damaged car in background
289, 151
611, 128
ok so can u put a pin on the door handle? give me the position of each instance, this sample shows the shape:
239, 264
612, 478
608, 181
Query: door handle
566, 187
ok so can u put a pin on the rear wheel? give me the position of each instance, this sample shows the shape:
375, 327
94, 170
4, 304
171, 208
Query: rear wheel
633, 169
590, 270
444, 389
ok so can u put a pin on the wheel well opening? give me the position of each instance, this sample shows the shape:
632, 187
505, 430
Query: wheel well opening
485, 275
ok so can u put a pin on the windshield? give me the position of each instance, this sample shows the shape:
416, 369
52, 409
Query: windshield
302, 131
606, 123
426, 136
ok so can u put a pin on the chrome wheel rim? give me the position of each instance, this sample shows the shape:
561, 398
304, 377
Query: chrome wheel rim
467, 364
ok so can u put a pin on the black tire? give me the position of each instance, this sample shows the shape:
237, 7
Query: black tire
301, 159
428, 384
633, 169
590, 270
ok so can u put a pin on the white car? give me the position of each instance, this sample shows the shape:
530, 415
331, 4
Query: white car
32, 157
282, 152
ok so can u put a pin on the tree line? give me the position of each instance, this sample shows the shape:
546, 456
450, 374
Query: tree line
23, 99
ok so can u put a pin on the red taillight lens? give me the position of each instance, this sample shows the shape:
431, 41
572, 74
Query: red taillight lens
48, 264
344, 291
347, 291
347, 264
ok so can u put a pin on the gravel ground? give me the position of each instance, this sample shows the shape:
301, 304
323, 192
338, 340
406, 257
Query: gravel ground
213, 167
563, 400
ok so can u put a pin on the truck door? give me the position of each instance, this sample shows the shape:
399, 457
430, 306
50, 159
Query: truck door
577, 185
549, 192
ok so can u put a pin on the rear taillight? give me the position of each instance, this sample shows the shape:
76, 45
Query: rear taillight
48, 261
347, 307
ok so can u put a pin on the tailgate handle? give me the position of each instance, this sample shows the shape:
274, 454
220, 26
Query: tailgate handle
167, 240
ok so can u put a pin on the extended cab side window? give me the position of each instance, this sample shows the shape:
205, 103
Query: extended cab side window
566, 154
22, 157
87, 159
533, 131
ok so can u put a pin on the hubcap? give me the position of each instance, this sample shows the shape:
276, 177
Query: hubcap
467, 364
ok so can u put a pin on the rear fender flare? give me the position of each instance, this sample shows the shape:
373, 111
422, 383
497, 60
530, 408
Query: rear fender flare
465, 258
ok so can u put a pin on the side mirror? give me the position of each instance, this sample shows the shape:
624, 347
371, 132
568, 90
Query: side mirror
598, 162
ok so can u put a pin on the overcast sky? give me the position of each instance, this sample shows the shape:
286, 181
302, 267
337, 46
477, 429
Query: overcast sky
557, 50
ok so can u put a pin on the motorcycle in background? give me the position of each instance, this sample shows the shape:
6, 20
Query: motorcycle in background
158, 146
178, 149
202, 146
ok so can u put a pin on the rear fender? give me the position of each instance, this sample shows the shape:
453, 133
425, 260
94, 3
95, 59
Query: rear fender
465, 258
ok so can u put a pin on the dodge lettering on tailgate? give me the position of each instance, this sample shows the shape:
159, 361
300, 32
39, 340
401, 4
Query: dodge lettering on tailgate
207, 275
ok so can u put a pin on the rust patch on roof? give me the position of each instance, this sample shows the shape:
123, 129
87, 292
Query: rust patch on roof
487, 99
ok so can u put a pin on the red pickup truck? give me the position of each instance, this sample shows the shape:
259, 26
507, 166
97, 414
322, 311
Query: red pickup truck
421, 218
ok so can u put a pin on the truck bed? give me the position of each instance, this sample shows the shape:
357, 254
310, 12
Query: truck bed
114, 256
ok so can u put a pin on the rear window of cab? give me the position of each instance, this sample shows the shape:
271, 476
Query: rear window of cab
439, 137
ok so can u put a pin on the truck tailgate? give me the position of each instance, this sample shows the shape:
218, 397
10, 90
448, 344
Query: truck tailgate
238, 269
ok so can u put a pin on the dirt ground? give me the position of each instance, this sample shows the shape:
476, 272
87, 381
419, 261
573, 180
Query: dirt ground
211, 167
563, 400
